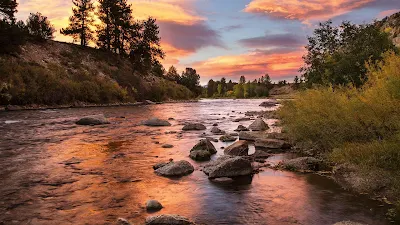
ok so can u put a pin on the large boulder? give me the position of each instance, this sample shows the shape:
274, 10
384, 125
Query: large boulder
93, 120
155, 122
241, 128
153, 205
168, 219
239, 148
228, 166
171, 169
216, 130
269, 103
203, 150
227, 138
271, 144
302, 164
258, 125
194, 126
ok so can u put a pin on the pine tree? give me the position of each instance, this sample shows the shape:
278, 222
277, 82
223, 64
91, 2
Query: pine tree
117, 29
80, 22
7, 9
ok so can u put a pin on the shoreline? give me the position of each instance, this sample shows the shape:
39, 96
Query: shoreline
11, 108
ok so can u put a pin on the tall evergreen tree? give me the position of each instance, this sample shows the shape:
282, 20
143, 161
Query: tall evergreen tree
7, 9
80, 22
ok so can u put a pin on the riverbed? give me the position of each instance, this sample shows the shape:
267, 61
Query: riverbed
53, 171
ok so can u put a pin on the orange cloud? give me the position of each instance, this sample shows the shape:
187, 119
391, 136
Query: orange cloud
252, 64
304, 10
165, 10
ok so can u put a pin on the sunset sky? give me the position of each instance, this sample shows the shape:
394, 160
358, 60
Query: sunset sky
230, 38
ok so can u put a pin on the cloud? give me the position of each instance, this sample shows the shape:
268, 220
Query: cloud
386, 13
232, 27
304, 10
252, 65
274, 40
189, 37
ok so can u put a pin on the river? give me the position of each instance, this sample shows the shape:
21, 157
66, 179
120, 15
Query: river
55, 172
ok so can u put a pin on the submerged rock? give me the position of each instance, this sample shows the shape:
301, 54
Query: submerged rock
203, 150
167, 146
269, 103
258, 125
239, 148
216, 130
227, 138
194, 126
93, 120
302, 164
168, 219
179, 168
122, 221
155, 122
153, 205
272, 144
241, 128
241, 119
228, 166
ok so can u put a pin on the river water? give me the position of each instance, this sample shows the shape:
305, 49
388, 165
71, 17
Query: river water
55, 172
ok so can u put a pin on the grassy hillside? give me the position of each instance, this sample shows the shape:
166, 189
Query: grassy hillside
54, 73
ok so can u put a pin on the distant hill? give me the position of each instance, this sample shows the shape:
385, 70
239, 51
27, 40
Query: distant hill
54, 73
391, 25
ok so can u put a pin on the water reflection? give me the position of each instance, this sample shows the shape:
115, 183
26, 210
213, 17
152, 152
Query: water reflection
54, 172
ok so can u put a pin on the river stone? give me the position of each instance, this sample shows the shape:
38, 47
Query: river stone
153, 205
302, 164
269, 103
122, 221
168, 219
216, 130
271, 144
241, 128
167, 146
194, 126
179, 168
239, 148
241, 119
258, 125
155, 122
203, 150
227, 138
93, 120
228, 166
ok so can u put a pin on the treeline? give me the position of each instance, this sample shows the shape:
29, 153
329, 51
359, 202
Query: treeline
117, 35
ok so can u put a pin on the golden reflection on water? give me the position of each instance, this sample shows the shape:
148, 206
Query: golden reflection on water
93, 175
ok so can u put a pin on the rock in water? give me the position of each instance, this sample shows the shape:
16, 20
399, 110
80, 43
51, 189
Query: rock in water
241, 128
122, 221
271, 144
93, 120
216, 130
258, 125
153, 205
148, 102
155, 122
239, 148
227, 138
228, 166
241, 119
269, 103
203, 150
302, 163
179, 168
168, 219
194, 126
167, 146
